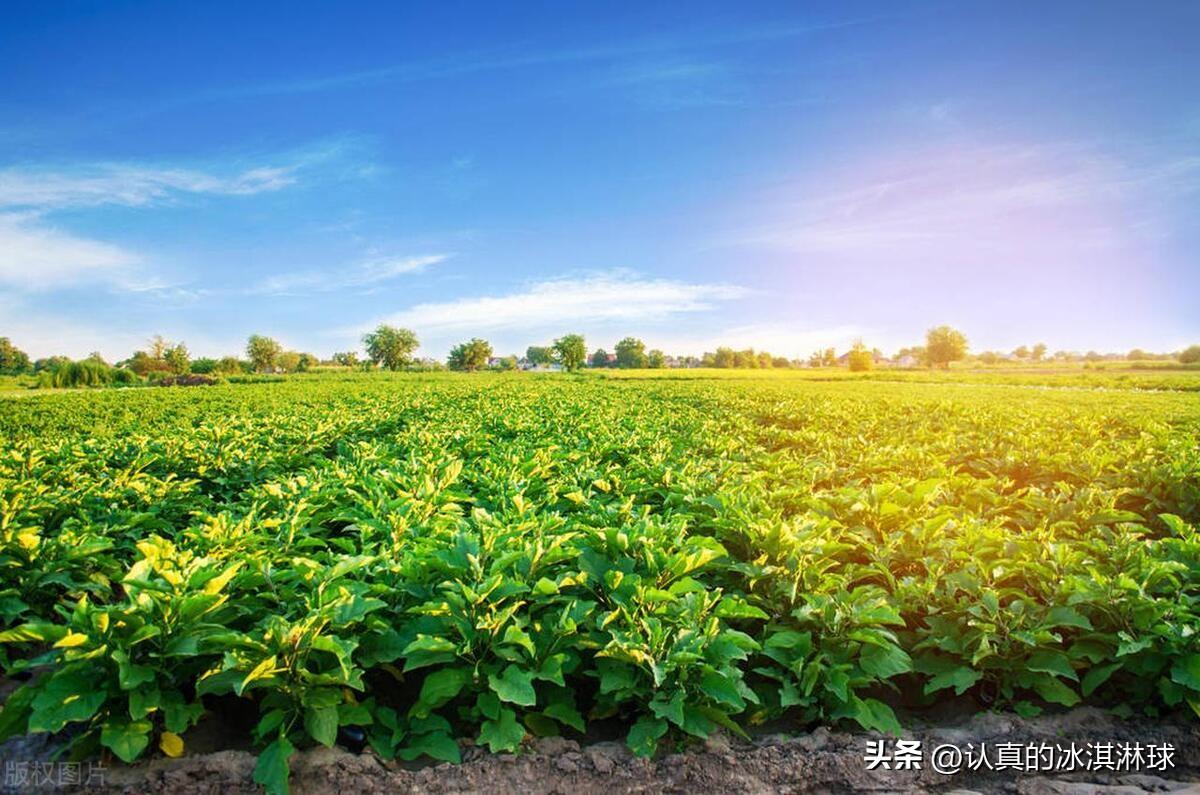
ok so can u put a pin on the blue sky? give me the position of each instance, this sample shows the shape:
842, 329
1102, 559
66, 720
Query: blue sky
778, 175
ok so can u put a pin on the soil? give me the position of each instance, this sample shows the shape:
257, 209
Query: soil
821, 761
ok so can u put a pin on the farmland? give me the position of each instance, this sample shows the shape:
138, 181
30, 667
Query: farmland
424, 560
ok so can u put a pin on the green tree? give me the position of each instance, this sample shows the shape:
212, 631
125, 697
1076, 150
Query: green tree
507, 363
570, 351
539, 355
944, 345
471, 355
1038, 352
724, 357
390, 347
655, 359
989, 357
631, 353
177, 358
860, 359
1191, 355
346, 359
263, 353
828, 357
13, 360
599, 358
229, 365
1021, 352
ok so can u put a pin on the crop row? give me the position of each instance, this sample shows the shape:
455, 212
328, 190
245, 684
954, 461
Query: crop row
434, 559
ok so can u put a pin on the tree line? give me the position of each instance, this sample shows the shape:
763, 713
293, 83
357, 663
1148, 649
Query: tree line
391, 348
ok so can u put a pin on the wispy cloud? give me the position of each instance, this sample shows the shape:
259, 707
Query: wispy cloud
36, 253
36, 256
510, 58
367, 273
1006, 198
569, 303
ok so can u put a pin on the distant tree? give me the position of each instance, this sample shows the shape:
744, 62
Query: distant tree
781, 361
570, 351
989, 357
177, 358
724, 357
288, 361
746, 359
143, 364
1021, 352
631, 353
599, 358
860, 359
829, 357
13, 360
307, 362
1038, 352
944, 345
203, 365
158, 347
1092, 356
346, 359
230, 365
708, 359
1137, 355
655, 359
263, 353
390, 347
471, 355
1190, 355
816, 359
765, 360
507, 363
50, 364
98, 358
539, 355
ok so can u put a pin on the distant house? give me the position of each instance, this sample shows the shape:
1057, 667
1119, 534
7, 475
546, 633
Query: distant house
907, 360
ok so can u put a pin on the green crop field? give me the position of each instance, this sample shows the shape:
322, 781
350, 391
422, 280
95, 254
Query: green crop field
431, 559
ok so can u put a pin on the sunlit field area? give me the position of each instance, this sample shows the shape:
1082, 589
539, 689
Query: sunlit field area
420, 562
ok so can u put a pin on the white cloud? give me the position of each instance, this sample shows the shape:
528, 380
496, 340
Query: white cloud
950, 202
130, 185
364, 274
569, 303
35, 256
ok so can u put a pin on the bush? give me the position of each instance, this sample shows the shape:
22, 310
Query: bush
86, 373
1191, 355
860, 359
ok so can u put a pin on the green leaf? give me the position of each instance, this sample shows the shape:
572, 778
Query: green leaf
1055, 691
1063, 616
1051, 662
721, 690
502, 734
437, 745
1186, 671
884, 661
261, 671
567, 715
514, 686
321, 723
271, 771
669, 709
960, 678
126, 739
872, 714
438, 688
1098, 676
427, 650
644, 735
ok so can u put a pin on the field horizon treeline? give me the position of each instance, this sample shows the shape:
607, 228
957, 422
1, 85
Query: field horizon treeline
390, 348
